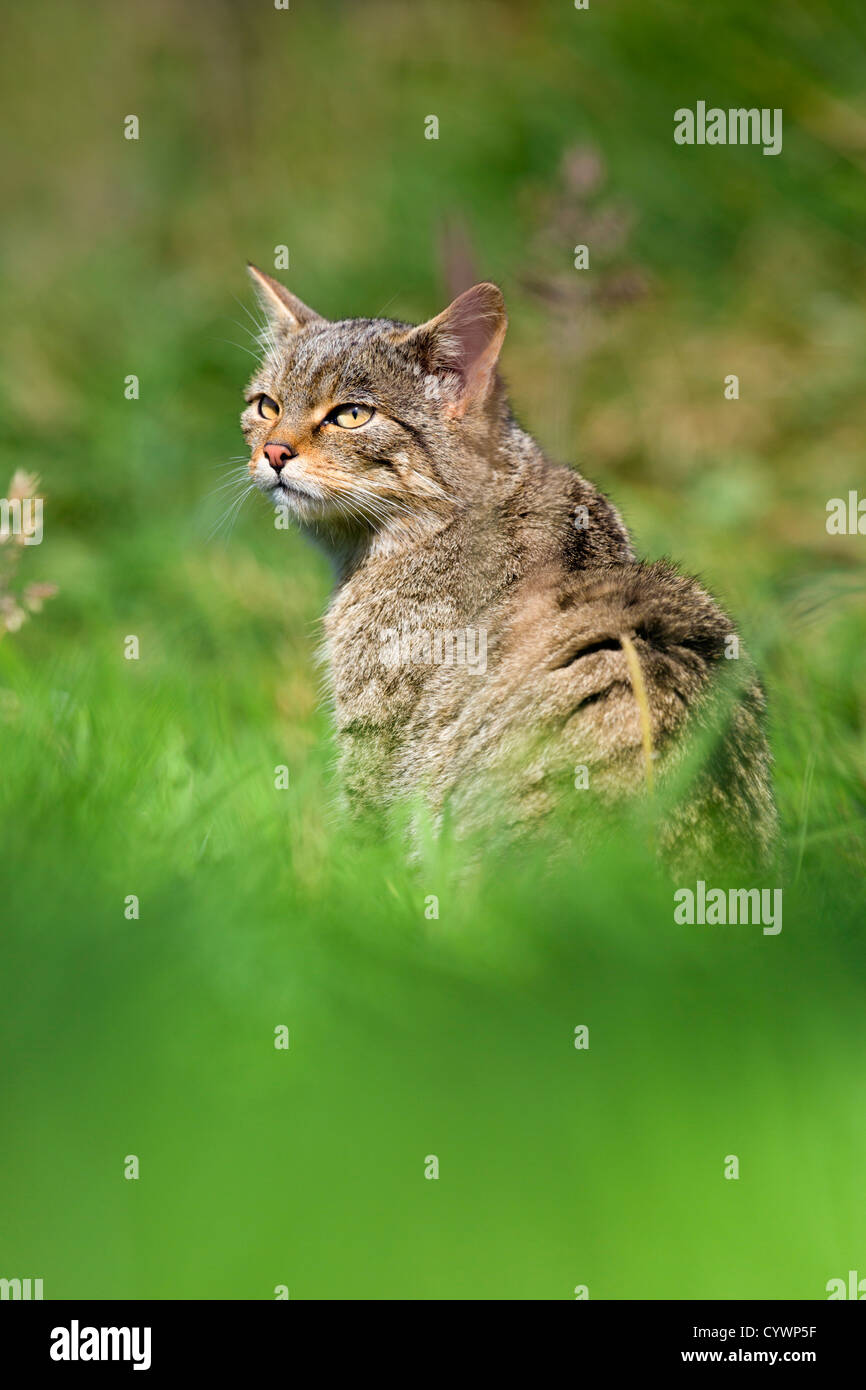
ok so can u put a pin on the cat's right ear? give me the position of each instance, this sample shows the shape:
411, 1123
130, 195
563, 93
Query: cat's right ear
461, 345
284, 309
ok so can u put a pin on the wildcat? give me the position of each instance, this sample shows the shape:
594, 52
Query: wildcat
394, 448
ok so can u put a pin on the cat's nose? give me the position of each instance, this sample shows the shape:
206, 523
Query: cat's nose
278, 455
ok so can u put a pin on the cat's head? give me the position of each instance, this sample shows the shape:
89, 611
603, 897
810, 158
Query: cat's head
365, 423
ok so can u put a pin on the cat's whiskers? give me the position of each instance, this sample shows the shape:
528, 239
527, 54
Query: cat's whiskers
268, 344
228, 483
383, 499
357, 508
222, 526
238, 470
256, 356
374, 509
260, 325
430, 486
254, 337
261, 338
378, 508
392, 528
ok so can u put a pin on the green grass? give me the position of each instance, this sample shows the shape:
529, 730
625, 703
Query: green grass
412, 1036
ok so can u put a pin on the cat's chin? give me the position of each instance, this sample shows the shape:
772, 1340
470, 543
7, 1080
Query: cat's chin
303, 504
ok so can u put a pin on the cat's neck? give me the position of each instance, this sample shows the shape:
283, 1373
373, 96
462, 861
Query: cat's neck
350, 548
480, 471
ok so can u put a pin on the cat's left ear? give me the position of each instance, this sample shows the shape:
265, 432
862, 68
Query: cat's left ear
283, 308
461, 345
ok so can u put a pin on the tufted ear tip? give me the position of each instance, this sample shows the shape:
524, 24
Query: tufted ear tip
486, 296
283, 308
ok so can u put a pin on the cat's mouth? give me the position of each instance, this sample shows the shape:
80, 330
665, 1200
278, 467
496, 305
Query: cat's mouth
302, 500
283, 487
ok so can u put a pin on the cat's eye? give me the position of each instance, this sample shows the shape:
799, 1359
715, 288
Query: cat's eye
268, 409
349, 417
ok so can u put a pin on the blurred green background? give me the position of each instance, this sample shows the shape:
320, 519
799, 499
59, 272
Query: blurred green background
258, 908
